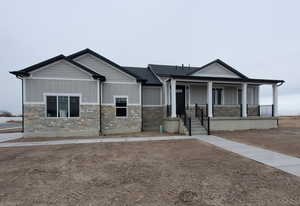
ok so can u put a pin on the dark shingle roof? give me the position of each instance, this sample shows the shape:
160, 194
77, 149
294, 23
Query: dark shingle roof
144, 73
166, 70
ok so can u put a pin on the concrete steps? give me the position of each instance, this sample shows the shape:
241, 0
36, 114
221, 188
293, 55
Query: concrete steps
197, 128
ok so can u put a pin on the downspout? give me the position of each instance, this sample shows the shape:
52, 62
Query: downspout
22, 106
100, 127
142, 129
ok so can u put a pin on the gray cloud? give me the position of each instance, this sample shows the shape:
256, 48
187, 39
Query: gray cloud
259, 38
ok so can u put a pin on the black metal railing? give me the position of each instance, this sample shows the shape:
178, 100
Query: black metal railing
266, 110
169, 109
204, 119
187, 121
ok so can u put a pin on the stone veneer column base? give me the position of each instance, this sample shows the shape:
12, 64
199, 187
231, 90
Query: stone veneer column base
36, 124
153, 117
118, 125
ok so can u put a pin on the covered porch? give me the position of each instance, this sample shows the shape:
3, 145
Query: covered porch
222, 103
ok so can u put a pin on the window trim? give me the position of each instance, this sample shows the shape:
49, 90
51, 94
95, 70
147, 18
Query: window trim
127, 100
62, 94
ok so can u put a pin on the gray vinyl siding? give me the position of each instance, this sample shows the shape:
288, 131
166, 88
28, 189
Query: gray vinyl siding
230, 95
111, 90
151, 95
35, 88
61, 69
252, 95
215, 70
198, 94
111, 73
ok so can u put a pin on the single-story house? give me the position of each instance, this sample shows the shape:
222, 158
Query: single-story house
86, 94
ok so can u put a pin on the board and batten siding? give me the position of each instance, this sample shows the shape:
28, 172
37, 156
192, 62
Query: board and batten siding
36, 88
216, 70
110, 90
198, 94
152, 96
111, 73
61, 69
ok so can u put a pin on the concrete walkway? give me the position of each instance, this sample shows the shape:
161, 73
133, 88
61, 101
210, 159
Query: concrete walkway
10, 136
274, 159
87, 141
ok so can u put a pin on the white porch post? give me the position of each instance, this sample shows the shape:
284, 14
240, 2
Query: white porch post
244, 100
275, 100
209, 98
173, 98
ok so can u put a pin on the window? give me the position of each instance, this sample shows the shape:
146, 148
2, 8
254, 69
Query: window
239, 96
121, 106
217, 96
62, 106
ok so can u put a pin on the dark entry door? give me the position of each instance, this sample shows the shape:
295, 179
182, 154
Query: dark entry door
180, 99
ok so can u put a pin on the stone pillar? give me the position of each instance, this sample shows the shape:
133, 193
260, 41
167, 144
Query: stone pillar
275, 100
244, 100
173, 98
209, 98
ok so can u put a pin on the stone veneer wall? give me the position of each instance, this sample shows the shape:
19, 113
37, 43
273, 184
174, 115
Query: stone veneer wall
253, 110
226, 111
36, 124
153, 117
115, 125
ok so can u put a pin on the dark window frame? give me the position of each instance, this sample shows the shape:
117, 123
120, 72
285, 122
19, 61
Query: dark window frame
121, 107
58, 105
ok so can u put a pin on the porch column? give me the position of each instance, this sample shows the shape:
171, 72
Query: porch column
209, 98
173, 98
275, 99
244, 100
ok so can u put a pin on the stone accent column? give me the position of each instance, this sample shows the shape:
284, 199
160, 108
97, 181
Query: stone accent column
275, 99
173, 97
209, 98
244, 100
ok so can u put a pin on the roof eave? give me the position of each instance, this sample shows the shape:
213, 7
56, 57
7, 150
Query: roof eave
259, 81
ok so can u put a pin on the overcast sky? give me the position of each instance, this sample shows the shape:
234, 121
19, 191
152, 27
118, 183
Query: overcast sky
259, 38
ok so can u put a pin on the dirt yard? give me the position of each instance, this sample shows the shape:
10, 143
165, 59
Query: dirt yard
285, 139
137, 134
184, 172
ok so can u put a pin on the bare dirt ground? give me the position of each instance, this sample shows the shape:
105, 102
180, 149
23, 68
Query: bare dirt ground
285, 139
183, 172
137, 134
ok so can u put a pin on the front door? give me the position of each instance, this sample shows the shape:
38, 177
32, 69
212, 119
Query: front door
180, 99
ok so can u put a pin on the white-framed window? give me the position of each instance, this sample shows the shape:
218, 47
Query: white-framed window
217, 96
62, 106
121, 106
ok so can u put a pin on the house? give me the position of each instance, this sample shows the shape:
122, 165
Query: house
86, 94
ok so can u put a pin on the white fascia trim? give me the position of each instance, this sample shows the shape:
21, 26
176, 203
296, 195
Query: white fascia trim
108, 82
60, 61
57, 78
222, 82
